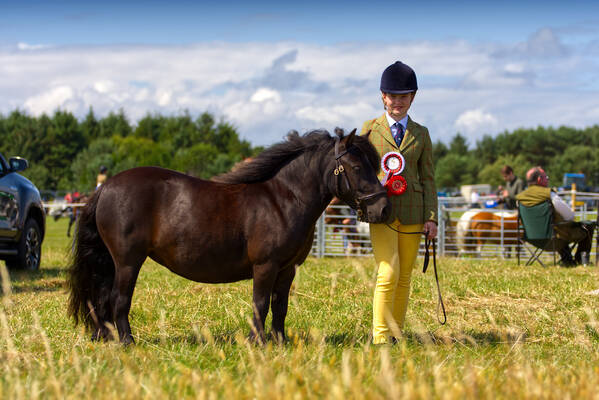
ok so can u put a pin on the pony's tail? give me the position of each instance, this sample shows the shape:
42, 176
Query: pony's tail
91, 270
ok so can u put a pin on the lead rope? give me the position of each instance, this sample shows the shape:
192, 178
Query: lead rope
427, 243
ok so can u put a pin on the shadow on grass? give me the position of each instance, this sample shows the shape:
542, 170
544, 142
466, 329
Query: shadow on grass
226, 338
239, 337
475, 338
235, 337
42, 280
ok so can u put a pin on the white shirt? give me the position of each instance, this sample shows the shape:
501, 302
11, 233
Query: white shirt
561, 207
403, 121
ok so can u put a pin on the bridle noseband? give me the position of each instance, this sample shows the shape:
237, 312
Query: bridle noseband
357, 201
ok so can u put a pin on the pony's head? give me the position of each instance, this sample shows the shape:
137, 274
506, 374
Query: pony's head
354, 168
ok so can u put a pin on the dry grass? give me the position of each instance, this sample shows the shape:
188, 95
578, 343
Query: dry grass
513, 332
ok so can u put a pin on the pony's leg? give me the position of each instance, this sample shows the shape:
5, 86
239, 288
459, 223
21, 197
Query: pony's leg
122, 292
280, 301
479, 249
102, 313
264, 278
71, 220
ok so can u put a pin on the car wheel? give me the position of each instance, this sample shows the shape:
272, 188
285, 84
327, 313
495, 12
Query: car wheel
29, 250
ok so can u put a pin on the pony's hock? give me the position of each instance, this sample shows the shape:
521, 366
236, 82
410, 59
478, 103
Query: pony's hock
255, 222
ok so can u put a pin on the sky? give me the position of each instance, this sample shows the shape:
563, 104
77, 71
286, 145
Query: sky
268, 67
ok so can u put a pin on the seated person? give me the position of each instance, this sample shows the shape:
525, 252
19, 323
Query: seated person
574, 232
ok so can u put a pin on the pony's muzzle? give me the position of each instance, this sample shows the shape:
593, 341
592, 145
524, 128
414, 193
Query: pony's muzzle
379, 211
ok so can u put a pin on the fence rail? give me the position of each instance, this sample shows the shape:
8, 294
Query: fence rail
337, 239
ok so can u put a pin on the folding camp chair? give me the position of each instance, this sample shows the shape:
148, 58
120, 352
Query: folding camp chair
538, 225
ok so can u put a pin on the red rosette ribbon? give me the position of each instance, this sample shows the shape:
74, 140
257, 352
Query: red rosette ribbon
396, 185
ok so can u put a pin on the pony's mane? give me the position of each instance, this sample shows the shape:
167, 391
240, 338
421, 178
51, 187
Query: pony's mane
268, 163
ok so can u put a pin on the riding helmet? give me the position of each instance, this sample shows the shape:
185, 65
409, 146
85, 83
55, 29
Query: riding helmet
398, 78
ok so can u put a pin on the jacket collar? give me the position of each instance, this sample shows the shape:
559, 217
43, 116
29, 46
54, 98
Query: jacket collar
382, 126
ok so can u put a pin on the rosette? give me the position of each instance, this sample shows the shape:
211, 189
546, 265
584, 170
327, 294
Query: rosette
393, 163
396, 185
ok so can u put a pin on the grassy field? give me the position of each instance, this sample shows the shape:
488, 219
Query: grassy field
512, 332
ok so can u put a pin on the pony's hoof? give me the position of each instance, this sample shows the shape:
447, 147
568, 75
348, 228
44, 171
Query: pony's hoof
255, 338
279, 338
128, 341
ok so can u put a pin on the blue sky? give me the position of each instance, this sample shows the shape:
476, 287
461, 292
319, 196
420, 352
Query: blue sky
268, 67
325, 22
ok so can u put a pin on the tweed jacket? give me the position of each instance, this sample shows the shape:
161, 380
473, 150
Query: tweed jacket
418, 203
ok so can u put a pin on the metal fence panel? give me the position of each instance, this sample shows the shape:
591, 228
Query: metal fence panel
334, 238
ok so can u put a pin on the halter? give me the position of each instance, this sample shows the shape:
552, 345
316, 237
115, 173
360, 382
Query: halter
357, 201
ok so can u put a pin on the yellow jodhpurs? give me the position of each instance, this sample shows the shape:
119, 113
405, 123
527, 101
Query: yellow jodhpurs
395, 254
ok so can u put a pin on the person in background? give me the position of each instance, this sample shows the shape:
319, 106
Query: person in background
474, 199
573, 232
102, 176
413, 195
513, 186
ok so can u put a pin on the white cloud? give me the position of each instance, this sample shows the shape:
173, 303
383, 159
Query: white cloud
335, 115
50, 100
265, 94
104, 86
163, 97
514, 68
475, 121
266, 89
26, 46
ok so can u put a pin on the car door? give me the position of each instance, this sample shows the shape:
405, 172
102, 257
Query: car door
9, 201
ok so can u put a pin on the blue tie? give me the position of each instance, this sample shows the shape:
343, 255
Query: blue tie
398, 136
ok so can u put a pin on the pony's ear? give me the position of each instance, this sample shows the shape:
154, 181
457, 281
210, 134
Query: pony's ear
350, 138
367, 134
339, 132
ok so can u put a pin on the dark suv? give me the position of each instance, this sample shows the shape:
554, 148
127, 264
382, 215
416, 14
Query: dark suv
22, 217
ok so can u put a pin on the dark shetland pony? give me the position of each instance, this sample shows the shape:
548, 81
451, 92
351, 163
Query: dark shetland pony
255, 222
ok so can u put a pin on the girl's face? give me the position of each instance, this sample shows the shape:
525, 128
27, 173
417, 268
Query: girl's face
397, 105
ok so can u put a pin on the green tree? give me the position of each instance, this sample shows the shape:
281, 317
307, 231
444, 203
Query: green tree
196, 160
181, 131
576, 158
440, 150
151, 127
455, 170
136, 152
486, 150
63, 141
115, 124
90, 127
458, 145
86, 165
20, 136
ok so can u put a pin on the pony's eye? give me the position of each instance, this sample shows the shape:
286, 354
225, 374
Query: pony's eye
356, 168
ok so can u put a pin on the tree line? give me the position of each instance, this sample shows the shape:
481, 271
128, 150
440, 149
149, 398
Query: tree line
66, 154
557, 150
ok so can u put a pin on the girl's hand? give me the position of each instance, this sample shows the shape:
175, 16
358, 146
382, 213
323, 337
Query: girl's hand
430, 227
